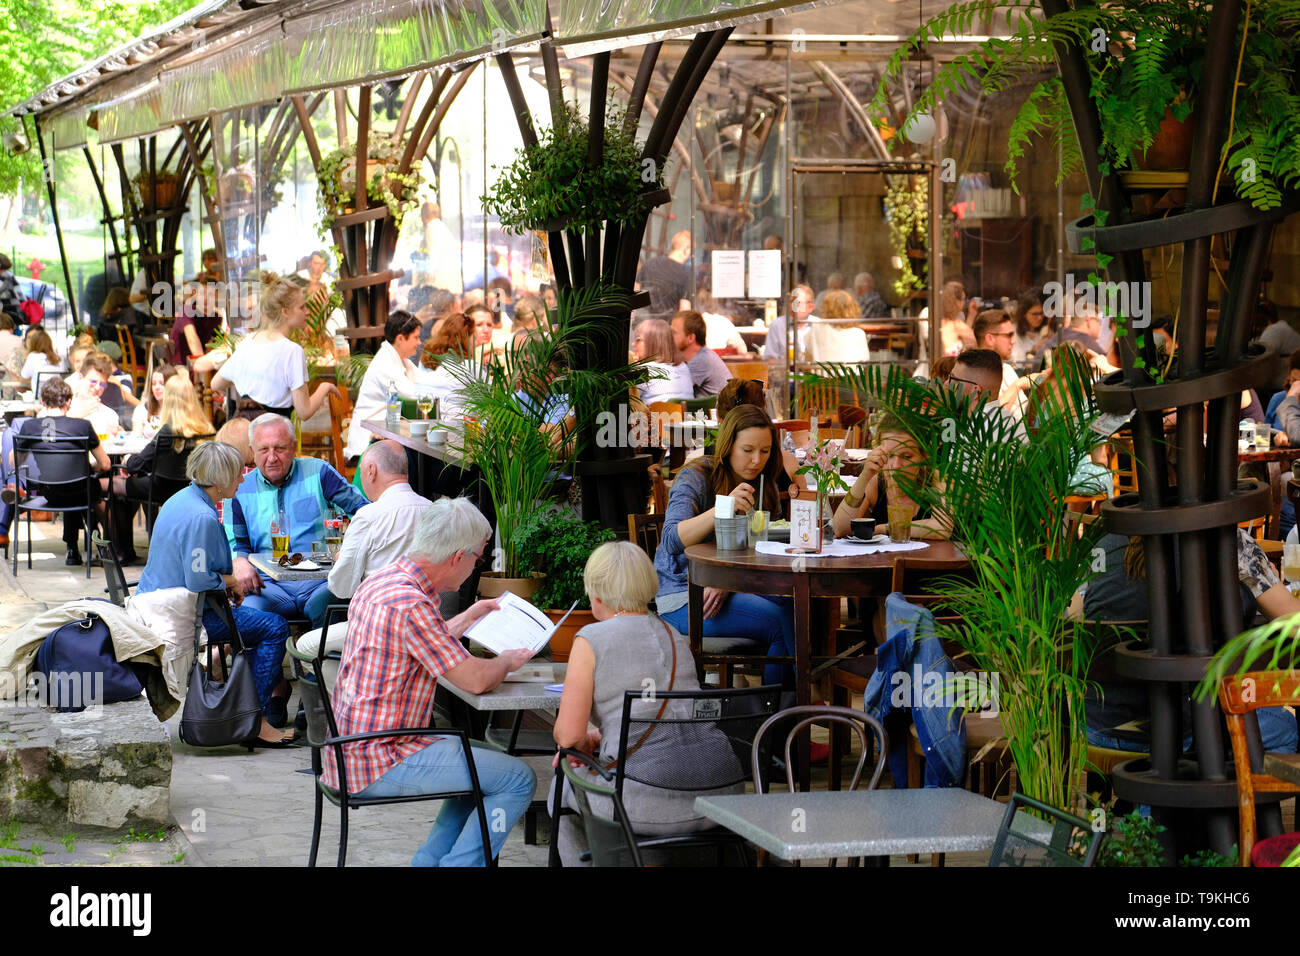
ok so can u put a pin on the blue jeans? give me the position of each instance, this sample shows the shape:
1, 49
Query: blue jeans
264, 634
1277, 731
455, 840
767, 620
290, 598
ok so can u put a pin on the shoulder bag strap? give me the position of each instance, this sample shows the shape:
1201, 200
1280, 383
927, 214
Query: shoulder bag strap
663, 704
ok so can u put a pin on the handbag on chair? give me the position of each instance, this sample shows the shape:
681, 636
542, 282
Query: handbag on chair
225, 712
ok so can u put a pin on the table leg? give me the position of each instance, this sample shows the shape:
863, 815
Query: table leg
802, 675
695, 618
1272, 529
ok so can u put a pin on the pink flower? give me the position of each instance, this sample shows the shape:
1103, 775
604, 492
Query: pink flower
824, 461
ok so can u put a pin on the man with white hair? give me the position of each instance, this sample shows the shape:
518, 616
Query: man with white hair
297, 491
871, 302
397, 648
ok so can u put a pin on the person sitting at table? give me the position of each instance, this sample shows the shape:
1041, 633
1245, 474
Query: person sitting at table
670, 375
10, 344
741, 391
895, 453
627, 646
482, 318
708, 372
189, 550
398, 647
1033, 327
297, 488
776, 347
146, 418
56, 429
954, 334
747, 442
38, 356
530, 313
87, 389
1117, 711
452, 338
235, 432
837, 341
391, 366
268, 369
183, 419
978, 373
198, 320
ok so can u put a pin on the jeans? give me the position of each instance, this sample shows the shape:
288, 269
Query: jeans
1277, 731
767, 620
264, 634
507, 783
290, 598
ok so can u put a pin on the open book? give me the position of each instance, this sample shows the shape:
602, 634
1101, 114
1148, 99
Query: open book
515, 624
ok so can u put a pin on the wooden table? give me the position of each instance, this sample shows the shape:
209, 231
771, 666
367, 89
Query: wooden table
263, 562
1273, 459
17, 408
844, 823
426, 455
817, 583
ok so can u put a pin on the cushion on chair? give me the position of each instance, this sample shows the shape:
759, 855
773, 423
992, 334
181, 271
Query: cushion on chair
1274, 850
729, 645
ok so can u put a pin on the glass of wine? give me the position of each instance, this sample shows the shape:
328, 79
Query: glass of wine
425, 406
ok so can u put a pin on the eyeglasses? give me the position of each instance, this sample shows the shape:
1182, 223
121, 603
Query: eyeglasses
289, 560
1003, 334
963, 381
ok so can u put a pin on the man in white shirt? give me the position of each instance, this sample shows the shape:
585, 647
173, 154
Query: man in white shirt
979, 372
801, 307
380, 533
391, 364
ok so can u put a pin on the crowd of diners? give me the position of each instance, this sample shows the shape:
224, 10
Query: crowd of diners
405, 557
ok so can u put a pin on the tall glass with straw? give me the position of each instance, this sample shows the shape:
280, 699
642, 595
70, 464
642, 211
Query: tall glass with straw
758, 521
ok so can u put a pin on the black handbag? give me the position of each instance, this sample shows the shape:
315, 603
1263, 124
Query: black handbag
221, 713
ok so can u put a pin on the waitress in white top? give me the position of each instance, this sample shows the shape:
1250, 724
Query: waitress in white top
670, 375
391, 365
268, 369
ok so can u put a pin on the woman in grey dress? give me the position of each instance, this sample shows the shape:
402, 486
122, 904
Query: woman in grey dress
631, 649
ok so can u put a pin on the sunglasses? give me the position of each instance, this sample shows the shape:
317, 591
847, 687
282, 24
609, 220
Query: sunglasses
289, 560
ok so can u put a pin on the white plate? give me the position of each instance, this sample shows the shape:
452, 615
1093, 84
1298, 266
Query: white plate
878, 539
856, 454
305, 566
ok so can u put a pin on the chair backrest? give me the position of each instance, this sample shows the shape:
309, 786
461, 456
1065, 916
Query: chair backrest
662, 414
67, 466
644, 531
701, 741
1058, 839
172, 456
1239, 696
611, 842
757, 371
805, 716
130, 365
118, 589
703, 403
340, 421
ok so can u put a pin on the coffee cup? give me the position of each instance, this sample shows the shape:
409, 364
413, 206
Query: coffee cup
864, 528
419, 429
437, 436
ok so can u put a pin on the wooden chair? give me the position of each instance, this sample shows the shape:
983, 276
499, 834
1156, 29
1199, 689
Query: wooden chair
340, 421
1238, 696
751, 370
130, 364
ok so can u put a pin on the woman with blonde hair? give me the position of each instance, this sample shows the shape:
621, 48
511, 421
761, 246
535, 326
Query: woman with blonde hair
838, 341
954, 334
670, 375
268, 369
184, 423
627, 646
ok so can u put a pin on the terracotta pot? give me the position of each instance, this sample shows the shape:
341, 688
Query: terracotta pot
492, 584
1172, 147
562, 639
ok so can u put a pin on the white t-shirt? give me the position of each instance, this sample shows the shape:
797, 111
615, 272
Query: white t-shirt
141, 421
372, 398
37, 363
667, 382
267, 372
720, 332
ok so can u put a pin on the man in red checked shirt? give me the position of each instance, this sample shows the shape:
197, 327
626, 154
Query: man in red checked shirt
397, 647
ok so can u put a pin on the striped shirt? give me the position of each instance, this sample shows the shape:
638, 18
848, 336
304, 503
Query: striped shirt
397, 646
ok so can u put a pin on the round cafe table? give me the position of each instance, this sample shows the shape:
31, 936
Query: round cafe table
816, 588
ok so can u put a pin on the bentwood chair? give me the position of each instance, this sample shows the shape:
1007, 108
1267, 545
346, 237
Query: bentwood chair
1240, 696
1064, 840
711, 733
327, 744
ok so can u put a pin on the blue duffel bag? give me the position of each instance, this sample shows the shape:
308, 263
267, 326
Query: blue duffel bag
80, 669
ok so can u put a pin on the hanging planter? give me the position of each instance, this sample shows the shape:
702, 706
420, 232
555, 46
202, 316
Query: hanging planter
337, 181
156, 192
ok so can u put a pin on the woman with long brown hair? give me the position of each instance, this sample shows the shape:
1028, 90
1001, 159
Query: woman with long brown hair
671, 377
39, 355
747, 457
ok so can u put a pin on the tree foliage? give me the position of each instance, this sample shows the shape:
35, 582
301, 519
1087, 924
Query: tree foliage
47, 39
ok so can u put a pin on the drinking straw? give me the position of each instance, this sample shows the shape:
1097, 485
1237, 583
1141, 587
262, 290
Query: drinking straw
761, 479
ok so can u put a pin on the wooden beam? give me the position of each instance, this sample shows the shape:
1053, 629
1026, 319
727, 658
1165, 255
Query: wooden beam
408, 105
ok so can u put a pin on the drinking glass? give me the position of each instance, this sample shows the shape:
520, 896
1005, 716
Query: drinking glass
900, 522
1291, 562
425, 406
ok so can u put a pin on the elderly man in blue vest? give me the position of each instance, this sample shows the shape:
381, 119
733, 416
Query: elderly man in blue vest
300, 489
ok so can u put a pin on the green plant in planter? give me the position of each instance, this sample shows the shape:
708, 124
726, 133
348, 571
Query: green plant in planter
550, 185
1146, 60
559, 543
508, 404
337, 181
1004, 498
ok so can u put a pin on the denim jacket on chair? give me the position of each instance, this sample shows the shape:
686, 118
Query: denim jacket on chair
911, 648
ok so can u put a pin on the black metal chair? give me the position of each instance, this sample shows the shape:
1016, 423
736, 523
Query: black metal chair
611, 842
167, 476
119, 588
703, 761
1066, 841
60, 473
323, 736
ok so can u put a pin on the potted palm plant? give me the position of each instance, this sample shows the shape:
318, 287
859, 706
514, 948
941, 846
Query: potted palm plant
1005, 499
557, 541
523, 415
